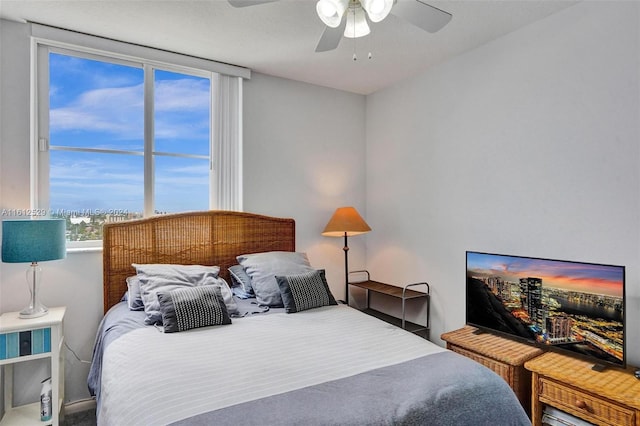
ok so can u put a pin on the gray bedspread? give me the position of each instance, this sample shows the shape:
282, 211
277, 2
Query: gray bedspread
118, 321
439, 389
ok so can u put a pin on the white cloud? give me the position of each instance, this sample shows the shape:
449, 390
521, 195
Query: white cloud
182, 111
118, 111
182, 95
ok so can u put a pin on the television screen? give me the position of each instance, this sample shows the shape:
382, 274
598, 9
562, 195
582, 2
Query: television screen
571, 306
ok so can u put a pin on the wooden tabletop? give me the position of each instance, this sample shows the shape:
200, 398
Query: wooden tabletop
613, 383
497, 347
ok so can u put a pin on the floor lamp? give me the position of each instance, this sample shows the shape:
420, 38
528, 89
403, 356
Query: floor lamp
346, 222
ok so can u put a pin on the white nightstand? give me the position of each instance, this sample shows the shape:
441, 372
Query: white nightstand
23, 340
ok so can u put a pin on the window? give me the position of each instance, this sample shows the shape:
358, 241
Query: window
96, 142
121, 137
102, 148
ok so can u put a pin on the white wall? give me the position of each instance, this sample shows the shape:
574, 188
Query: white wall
526, 146
75, 281
292, 168
303, 158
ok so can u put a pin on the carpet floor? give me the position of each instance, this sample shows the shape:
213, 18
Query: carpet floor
81, 418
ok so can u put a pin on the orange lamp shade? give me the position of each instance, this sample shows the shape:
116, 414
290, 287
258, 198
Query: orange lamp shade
345, 220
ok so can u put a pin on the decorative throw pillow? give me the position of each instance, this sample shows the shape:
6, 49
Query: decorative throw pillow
263, 268
239, 278
305, 291
192, 307
134, 296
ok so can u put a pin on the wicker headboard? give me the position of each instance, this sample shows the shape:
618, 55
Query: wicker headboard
203, 238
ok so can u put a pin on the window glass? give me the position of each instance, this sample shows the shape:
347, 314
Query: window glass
97, 151
95, 104
181, 184
84, 182
182, 105
182, 109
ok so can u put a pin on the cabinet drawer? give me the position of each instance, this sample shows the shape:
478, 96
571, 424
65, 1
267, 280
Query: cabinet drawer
504, 370
584, 405
25, 343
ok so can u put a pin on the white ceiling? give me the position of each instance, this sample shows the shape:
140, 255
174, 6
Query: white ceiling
279, 38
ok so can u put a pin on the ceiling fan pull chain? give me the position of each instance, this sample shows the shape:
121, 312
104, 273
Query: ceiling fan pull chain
355, 56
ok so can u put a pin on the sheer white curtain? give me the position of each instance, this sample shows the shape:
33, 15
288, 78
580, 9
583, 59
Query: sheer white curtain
226, 125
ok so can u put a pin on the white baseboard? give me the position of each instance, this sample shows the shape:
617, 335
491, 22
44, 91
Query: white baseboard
78, 406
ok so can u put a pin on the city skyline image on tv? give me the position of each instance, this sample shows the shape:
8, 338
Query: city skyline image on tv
572, 306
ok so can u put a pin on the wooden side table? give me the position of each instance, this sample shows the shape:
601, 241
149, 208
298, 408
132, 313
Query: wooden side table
610, 397
504, 356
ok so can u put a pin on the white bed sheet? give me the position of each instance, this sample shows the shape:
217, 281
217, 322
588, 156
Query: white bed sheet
153, 378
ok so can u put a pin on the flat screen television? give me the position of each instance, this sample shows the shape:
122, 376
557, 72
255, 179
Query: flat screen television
575, 307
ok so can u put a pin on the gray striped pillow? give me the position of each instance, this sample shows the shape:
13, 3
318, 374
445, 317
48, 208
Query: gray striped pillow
305, 291
192, 307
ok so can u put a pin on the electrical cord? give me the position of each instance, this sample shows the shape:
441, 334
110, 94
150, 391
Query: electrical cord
76, 355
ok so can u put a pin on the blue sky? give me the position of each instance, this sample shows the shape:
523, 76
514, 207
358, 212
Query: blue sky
100, 105
583, 277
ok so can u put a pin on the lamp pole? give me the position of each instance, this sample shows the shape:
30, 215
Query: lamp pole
346, 269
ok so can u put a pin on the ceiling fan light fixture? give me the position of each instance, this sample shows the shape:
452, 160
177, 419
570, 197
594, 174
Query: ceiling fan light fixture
331, 11
377, 10
356, 23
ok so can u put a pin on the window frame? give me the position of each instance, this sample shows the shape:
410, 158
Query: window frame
221, 187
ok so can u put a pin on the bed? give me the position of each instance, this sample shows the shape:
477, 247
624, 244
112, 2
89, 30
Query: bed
305, 360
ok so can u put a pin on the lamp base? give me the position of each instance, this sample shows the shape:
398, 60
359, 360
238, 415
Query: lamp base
35, 308
31, 312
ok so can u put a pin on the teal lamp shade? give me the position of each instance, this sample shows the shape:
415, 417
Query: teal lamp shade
26, 241
33, 241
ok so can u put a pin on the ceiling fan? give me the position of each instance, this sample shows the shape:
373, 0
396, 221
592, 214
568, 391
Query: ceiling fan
350, 18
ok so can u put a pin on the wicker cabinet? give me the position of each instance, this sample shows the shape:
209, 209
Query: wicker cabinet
609, 397
504, 356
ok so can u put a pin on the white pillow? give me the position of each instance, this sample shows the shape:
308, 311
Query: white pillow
155, 278
134, 298
263, 268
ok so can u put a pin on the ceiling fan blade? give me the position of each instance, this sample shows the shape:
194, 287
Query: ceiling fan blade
244, 3
429, 18
331, 37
